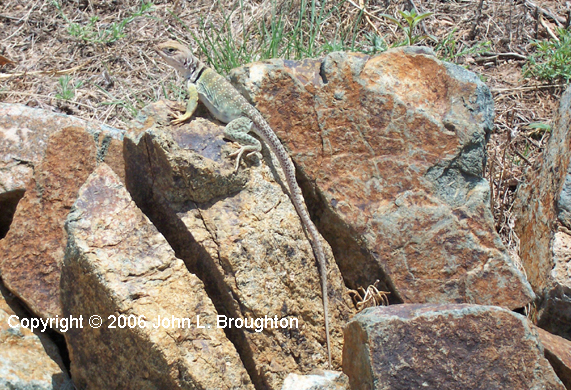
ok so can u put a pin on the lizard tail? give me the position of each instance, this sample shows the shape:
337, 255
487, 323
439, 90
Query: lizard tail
269, 137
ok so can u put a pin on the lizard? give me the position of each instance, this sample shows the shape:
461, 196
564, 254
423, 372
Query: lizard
227, 105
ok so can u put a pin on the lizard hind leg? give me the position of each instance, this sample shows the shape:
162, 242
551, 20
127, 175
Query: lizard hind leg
237, 131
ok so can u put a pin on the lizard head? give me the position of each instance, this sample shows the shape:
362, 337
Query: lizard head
181, 58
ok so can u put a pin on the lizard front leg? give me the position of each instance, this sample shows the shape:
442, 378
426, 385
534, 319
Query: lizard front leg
190, 105
237, 131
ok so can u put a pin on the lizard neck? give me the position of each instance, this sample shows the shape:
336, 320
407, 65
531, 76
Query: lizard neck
195, 72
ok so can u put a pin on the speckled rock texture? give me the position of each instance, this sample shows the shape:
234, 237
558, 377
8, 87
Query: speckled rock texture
444, 347
242, 237
391, 151
48, 156
118, 264
542, 225
28, 361
558, 352
24, 134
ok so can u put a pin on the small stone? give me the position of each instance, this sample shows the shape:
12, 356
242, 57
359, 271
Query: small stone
326, 380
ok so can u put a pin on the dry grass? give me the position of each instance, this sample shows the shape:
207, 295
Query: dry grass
111, 81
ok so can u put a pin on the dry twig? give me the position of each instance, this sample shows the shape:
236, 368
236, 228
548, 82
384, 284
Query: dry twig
44, 72
368, 298
556, 18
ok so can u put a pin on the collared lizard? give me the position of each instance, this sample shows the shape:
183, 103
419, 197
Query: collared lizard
228, 106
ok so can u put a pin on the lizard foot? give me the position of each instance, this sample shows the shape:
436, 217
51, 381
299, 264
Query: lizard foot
237, 131
179, 118
247, 148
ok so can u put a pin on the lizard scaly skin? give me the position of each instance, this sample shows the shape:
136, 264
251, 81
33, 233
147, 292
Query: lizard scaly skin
228, 106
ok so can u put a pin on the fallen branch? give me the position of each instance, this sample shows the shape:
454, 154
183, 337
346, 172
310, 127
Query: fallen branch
546, 27
556, 18
476, 21
530, 88
496, 56
36, 95
43, 72
362, 8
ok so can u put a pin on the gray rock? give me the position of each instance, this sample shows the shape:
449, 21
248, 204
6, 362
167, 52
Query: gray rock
558, 352
444, 347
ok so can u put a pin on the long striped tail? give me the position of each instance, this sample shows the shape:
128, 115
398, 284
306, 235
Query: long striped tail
265, 132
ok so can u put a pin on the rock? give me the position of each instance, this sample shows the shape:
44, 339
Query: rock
542, 224
28, 361
47, 156
554, 312
444, 347
391, 152
327, 380
24, 134
117, 264
23, 138
558, 352
181, 174
240, 234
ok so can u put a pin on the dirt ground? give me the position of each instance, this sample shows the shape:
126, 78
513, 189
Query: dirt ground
108, 69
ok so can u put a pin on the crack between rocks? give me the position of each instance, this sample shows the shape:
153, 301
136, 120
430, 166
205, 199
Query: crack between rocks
196, 259
8, 204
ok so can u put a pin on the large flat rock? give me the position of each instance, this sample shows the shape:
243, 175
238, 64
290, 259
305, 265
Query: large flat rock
117, 264
240, 233
391, 152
